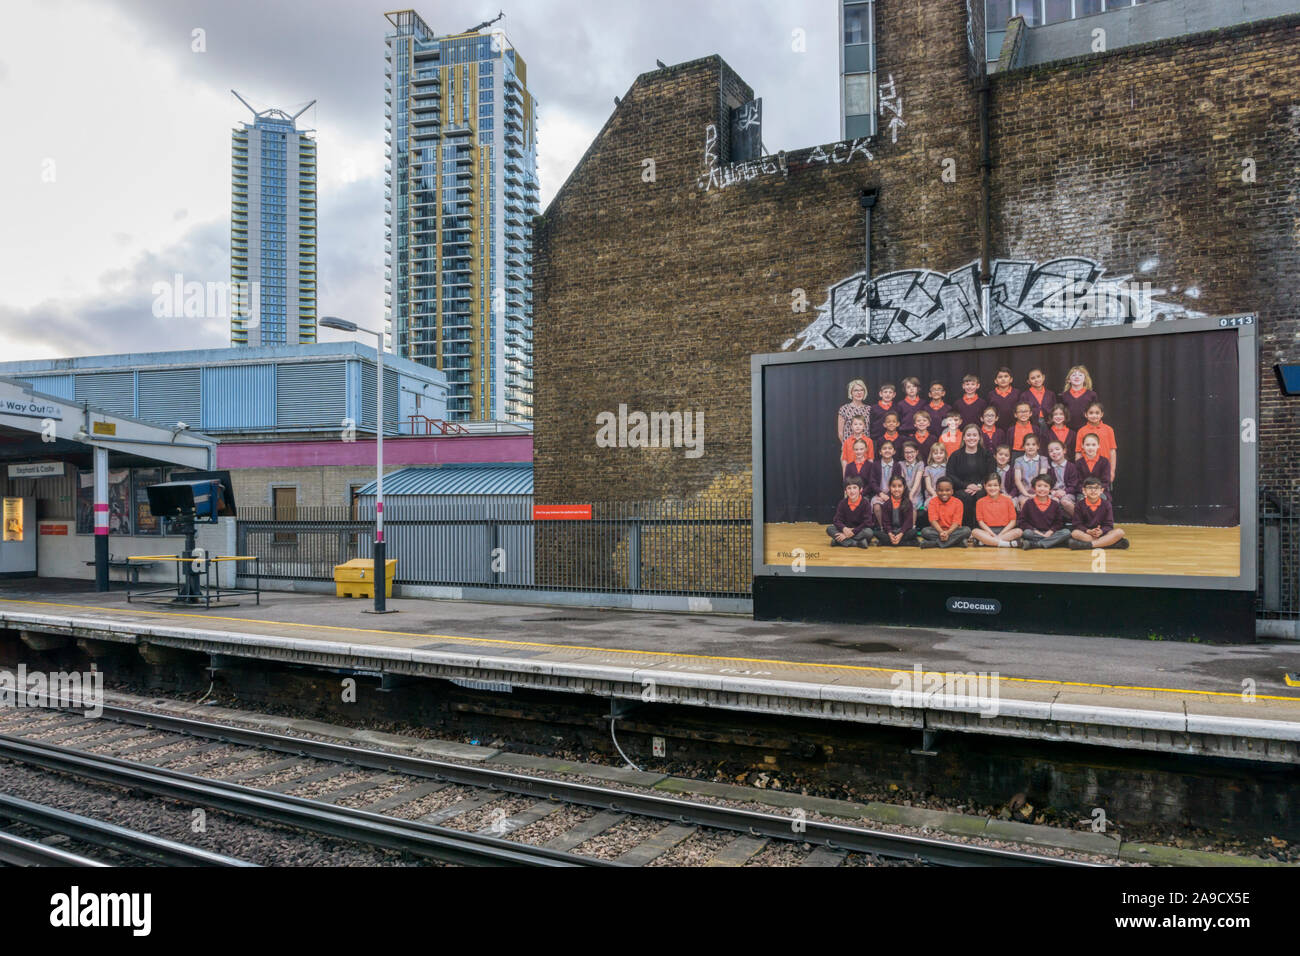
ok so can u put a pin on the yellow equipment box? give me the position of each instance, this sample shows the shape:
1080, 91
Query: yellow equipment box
356, 578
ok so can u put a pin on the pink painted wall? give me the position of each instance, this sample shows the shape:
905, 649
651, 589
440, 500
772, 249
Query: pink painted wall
398, 452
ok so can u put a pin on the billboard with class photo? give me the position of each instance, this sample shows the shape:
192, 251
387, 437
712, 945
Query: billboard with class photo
1103, 456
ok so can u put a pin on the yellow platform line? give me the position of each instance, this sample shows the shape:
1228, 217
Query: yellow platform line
501, 642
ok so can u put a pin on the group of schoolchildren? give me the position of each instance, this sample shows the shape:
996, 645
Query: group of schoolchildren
1008, 469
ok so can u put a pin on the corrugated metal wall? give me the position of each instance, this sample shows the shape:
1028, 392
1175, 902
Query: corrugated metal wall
300, 391
238, 396
461, 552
391, 397
60, 386
114, 392
168, 396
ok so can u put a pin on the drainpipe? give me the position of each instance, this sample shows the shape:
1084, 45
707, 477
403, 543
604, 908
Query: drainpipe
986, 168
867, 200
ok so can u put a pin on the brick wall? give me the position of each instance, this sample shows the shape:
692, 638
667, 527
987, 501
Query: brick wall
1135, 158
655, 294
317, 486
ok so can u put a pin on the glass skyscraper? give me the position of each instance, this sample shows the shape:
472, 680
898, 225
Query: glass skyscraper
461, 178
272, 231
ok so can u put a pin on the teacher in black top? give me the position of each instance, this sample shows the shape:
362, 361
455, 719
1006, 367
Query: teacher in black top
968, 467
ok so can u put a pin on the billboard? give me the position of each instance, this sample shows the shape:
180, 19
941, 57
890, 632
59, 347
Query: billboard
1094, 457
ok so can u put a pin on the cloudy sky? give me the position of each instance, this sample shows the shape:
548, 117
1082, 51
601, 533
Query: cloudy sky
115, 173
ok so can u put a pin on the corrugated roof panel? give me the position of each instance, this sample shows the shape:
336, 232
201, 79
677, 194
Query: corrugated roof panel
488, 479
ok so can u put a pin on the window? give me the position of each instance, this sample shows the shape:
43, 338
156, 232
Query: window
1056, 11
859, 64
857, 29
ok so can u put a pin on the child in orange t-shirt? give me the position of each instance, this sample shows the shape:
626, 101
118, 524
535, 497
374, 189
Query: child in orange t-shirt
857, 432
1106, 446
945, 512
996, 516
951, 436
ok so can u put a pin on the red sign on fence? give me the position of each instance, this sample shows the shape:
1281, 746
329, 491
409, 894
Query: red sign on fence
561, 512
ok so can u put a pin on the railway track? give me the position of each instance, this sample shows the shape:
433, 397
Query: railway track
675, 819
119, 841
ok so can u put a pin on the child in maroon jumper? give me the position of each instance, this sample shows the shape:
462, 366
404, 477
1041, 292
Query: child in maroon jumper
939, 408
876, 427
970, 406
852, 524
1058, 429
924, 438
892, 433
1043, 518
1003, 397
1092, 465
990, 434
860, 466
1094, 523
1078, 394
895, 518
1040, 398
909, 405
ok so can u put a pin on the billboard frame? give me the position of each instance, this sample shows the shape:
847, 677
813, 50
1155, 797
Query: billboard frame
1246, 326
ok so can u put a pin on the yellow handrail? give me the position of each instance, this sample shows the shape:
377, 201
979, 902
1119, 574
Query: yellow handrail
177, 557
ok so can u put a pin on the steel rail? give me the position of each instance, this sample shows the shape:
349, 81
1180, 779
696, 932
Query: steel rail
834, 835
16, 851
143, 846
340, 822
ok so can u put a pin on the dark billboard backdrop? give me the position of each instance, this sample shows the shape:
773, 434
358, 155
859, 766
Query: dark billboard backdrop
1172, 400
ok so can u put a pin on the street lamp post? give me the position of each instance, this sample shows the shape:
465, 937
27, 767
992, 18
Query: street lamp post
381, 576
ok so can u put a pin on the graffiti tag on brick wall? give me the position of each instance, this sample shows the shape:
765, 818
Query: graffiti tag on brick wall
717, 176
720, 177
921, 305
891, 103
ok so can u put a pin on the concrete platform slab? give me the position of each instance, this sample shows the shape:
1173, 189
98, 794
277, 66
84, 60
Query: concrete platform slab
1158, 696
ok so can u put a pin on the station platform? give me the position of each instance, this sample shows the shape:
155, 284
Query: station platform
1229, 701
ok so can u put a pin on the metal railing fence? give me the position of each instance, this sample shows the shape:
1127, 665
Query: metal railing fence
690, 548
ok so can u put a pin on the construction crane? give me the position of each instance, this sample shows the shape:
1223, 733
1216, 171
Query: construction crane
487, 23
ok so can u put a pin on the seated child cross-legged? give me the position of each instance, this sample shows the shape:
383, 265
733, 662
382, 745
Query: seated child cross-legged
852, 525
945, 511
1043, 518
1094, 525
996, 517
895, 517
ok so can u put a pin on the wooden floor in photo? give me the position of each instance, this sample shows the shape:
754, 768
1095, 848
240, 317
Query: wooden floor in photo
1155, 549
